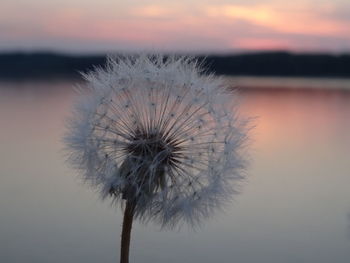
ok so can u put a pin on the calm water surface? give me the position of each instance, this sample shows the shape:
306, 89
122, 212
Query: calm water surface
295, 205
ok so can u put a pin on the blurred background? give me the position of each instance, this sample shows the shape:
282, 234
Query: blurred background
289, 61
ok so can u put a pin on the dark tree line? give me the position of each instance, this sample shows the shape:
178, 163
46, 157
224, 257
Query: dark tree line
46, 65
282, 64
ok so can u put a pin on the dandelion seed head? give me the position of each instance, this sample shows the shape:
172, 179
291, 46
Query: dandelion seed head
156, 131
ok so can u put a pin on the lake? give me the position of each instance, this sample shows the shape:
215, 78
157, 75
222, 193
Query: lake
294, 205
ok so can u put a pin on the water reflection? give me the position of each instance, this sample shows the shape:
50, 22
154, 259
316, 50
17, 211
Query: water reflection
291, 210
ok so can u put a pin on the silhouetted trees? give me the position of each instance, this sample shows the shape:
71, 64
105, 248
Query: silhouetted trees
46, 65
282, 64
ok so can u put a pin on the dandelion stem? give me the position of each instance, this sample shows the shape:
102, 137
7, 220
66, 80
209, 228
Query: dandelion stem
126, 232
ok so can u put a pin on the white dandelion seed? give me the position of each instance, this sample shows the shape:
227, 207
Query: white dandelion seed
160, 135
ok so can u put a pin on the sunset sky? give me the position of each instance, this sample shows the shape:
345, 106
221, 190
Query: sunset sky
187, 26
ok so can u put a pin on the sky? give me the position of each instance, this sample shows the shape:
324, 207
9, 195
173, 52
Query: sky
199, 26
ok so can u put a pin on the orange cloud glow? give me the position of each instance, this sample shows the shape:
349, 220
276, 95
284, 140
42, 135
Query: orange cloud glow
301, 22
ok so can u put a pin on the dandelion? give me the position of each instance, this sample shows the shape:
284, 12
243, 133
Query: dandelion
159, 136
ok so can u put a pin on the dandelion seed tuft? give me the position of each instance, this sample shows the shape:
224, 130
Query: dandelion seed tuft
159, 133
